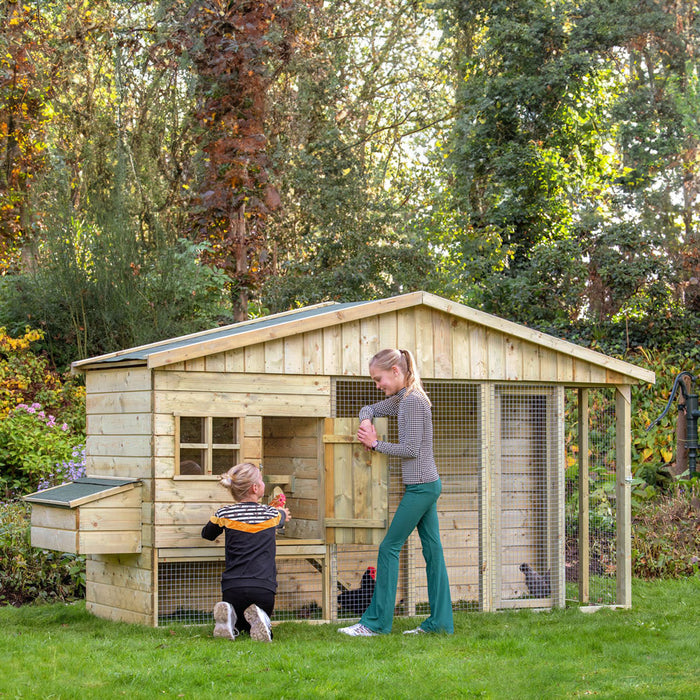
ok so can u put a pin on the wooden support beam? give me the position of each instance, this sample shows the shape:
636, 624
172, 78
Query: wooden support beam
623, 474
584, 553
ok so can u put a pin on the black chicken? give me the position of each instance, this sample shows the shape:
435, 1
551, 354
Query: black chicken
355, 601
537, 585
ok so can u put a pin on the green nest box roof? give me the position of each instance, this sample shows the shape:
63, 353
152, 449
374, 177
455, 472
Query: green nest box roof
80, 491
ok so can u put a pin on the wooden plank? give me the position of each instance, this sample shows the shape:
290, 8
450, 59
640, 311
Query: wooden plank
254, 358
584, 553
459, 337
118, 615
495, 350
442, 346
52, 538
424, 352
274, 356
623, 486
53, 517
332, 351
387, 332
196, 364
478, 353
235, 360
120, 598
294, 354
119, 424
124, 541
351, 349
406, 330
105, 519
369, 341
241, 383
513, 359
122, 446
117, 465
117, 380
313, 353
530, 357
119, 402
215, 363
117, 574
224, 403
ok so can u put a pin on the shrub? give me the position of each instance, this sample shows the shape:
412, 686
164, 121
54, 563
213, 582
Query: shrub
666, 534
26, 377
33, 445
29, 574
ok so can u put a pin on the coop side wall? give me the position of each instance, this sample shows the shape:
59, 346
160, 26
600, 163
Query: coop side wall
119, 443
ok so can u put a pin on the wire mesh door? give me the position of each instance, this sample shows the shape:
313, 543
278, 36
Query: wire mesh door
457, 448
591, 508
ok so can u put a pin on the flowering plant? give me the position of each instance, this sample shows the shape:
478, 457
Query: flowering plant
32, 445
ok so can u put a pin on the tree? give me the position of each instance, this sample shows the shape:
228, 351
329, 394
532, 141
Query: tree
235, 48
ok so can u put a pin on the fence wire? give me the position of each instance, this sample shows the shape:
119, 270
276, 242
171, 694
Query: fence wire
532, 428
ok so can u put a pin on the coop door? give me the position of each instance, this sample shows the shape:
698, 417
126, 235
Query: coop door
527, 527
357, 505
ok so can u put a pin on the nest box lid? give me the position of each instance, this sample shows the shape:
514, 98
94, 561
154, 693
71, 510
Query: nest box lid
80, 491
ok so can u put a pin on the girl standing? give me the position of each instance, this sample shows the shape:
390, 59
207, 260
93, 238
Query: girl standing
394, 372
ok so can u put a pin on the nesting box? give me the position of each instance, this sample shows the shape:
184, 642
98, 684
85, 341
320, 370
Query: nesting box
512, 409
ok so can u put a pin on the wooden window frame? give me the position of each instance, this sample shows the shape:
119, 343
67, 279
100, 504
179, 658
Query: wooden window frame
207, 445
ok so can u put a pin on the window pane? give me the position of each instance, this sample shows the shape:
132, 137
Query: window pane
191, 429
192, 461
224, 431
223, 460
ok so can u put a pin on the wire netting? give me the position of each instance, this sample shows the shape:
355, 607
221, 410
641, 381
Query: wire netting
534, 508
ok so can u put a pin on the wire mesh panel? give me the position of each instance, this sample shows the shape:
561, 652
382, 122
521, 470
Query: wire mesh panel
525, 493
188, 590
457, 454
591, 568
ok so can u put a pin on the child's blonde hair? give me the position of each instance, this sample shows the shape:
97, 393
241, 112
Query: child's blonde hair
240, 479
404, 360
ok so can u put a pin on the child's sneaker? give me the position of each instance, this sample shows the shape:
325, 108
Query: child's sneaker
260, 625
358, 630
225, 621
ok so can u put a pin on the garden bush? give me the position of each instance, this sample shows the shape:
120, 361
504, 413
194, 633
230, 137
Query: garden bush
42, 418
666, 534
29, 574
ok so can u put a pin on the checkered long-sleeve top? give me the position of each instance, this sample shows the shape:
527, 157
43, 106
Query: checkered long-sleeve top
415, 446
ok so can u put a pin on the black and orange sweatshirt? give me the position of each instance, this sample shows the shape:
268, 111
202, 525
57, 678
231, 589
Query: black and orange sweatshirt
250, 547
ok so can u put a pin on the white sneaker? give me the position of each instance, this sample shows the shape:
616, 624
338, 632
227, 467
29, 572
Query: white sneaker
225, 621
260, 625
358, 630
417, 630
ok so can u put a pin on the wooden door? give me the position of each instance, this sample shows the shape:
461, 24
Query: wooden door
357, 495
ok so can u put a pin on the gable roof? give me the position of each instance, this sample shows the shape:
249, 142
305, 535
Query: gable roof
323, 315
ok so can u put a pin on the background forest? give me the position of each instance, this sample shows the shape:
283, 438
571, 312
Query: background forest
167, 166
170, 165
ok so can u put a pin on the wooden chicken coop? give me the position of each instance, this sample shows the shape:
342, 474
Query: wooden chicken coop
164, 420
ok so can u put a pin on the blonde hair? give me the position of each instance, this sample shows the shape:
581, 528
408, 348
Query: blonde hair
404, 360
240, 479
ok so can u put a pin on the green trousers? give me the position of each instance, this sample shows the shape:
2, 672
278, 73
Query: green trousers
417, 509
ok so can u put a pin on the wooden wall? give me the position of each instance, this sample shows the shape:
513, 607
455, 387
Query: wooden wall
119, 443
445, 346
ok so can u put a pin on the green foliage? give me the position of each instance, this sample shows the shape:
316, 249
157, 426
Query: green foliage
32, 444
96, 291
26, 377
28, 574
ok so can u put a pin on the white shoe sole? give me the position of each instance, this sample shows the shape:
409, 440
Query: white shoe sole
259, 628
223, 621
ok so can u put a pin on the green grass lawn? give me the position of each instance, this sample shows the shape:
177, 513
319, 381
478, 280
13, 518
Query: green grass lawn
652, 650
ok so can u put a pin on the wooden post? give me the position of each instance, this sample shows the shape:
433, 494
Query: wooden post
584, 553
623, 474
486, 545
